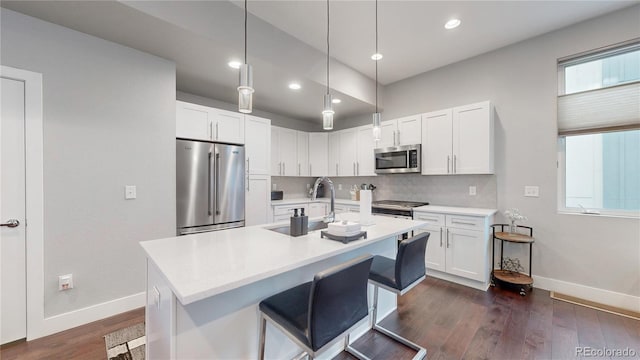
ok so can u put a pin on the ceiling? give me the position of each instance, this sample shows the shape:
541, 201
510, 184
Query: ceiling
287, 41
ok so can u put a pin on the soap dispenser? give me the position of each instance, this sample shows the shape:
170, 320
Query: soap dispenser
295, 226
304, 222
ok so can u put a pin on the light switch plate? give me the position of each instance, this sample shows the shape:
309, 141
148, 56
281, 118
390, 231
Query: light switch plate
531, 191
130, 192
472, 190
65, 282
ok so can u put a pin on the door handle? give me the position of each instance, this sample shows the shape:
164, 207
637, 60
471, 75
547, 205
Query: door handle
448, 245
310, 172
354, 168
455, 165
217, 175
448, 162
394, 138
336, 169
211, 130
284, 169
440, 237
209, 187
358, 168
398, 137
217, 132
299, 171
248, 184
11, 223
248, 166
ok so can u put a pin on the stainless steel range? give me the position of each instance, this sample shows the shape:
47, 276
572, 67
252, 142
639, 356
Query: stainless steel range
395, 208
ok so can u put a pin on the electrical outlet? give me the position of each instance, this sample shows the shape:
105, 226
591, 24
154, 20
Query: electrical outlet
531, 191
65, 282
472, 190
129, 192
274, 187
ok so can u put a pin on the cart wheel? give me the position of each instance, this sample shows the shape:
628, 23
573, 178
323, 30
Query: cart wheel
522, 292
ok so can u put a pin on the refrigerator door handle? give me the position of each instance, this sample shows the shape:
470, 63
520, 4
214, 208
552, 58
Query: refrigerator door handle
209, 186
217, 177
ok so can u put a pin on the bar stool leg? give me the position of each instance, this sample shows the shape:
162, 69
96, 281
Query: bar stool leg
263, 329
374, 314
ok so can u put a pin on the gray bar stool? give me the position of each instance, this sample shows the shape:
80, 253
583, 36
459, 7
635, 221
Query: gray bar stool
399, 276
317, 314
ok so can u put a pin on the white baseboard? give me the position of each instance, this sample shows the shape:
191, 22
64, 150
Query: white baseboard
61, 322
597, 295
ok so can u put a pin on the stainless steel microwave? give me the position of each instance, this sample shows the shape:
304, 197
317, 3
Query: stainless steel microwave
398, 159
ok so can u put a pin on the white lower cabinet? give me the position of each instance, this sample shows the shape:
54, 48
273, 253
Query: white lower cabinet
284, 212
317, 209
458, 247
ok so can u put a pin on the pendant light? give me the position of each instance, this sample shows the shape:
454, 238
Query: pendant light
327, 112
377, 119
245, 89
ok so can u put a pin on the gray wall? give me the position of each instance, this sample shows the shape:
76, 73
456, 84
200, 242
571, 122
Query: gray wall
276, 120
521, 80
109, 121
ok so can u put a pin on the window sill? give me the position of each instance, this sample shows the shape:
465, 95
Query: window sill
606, 214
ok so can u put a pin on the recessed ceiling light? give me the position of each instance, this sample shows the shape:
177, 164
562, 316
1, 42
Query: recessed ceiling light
452, 24
295, 86
234, 64
376, 56
336, 101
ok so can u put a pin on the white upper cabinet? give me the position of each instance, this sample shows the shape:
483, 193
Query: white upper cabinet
437, 139
402, 131
365, 163
284, 161
303, 154
318, 154
228, 126
205, 123
257, 145
473, 139
334, 150
458, 140
348, 150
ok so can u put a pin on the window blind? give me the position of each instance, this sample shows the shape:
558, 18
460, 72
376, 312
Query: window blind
600, 110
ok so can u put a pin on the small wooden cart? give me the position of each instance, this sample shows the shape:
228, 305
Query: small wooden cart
523, 281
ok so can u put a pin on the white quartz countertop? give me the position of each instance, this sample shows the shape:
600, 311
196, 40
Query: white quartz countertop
308, 200
202, 265
455, 210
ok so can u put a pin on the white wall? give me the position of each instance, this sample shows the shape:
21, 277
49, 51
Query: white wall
521, 80
109, 121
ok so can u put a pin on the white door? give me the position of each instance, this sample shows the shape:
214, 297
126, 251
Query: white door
334, 151
257, 145
228, 126
365, 165
287, 146
303, 154
276, 164
318, 154
464, 253
388, 131
435, 255
473, 139
12, 199
257, 200
348, 151
409, 130
436, 143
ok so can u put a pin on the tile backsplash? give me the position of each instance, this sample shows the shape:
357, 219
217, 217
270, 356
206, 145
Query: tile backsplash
437, 190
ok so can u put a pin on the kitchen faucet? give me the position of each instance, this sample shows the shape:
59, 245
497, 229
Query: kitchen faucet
332, 214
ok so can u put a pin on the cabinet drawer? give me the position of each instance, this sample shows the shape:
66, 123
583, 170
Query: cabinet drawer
288, 209
465, 222
280, 218
431, 219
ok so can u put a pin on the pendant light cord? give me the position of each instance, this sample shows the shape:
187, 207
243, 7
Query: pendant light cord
245, 31
376, 53
327, 46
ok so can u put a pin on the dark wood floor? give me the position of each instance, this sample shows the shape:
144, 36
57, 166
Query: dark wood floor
82, 343
451, 321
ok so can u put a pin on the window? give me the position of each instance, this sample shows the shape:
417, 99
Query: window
599, 131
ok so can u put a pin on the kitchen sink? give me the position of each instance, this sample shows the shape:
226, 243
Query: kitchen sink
313, 225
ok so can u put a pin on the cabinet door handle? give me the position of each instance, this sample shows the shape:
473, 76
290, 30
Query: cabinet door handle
336, 169
248, 166
448, 245
448, 162
462, 223
440, 237
394, 138
358, 168
284, 169
354, 168
248, 184
299, 172
455, 165
398, 137
310, 172
217, 132
211, 130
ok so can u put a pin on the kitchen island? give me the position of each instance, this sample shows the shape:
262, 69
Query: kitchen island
203, 290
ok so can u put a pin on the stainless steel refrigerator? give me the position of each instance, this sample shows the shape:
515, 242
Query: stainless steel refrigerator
209, 186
